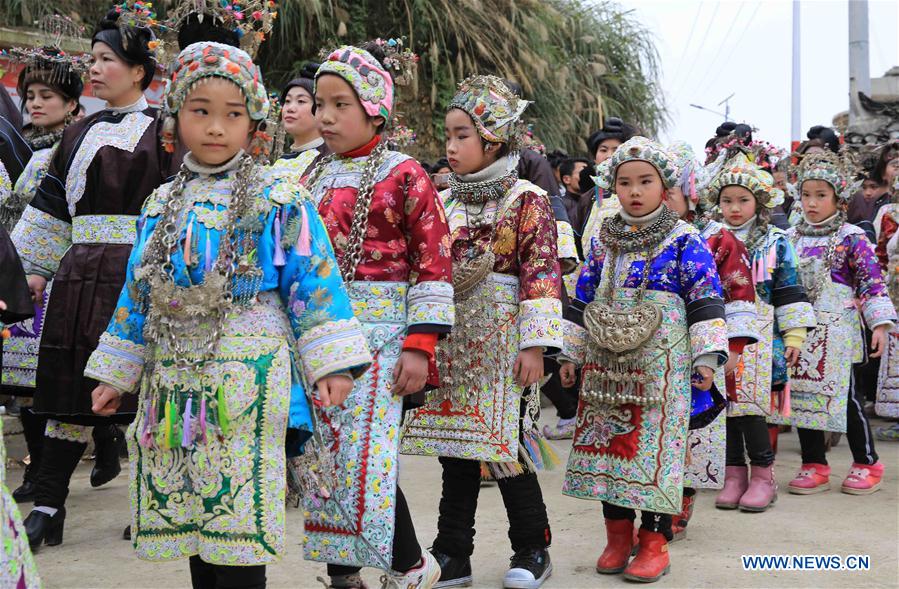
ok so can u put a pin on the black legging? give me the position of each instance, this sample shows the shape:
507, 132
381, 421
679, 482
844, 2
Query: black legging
216, 576
33, 427
654, 522
406, 550
528, 522
748, 434
59, 460
858, 433
564, 398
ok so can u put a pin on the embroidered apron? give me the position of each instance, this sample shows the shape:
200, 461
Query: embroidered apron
222, 496
705, 458
355, 526
819, 385
753, 372
20, 350
480, 423
887, 401
633, 455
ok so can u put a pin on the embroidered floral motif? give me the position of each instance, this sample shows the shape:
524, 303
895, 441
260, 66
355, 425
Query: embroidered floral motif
17, 568
540, 323
104, 229
123, 135
431, 303
116, 361
69, 432
41, 240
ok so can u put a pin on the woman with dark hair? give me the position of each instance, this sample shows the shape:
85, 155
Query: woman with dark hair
78, 231
307, 147
50, 85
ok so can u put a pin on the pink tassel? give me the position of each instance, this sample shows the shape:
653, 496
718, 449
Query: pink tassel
146, 438
187, 240
280, 258
203, 418
304, 242
207, 258
185, 425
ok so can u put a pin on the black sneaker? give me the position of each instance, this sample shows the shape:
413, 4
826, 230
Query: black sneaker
529, 569
455, 571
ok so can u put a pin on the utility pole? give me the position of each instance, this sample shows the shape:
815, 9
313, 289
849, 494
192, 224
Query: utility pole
796, 90
726, 103
859, 62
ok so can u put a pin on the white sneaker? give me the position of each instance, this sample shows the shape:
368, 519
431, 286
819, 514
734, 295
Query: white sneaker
424, 576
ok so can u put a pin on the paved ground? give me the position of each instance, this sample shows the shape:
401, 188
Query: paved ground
93, 555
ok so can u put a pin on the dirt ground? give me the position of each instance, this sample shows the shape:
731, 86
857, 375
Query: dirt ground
832, 523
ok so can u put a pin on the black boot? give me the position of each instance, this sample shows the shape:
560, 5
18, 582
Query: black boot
44, 529
107, 440
25, 492
33, 427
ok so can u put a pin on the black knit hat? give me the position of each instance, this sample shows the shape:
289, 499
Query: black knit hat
306, 80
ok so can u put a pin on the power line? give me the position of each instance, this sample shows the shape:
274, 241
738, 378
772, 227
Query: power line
724, 39
712, 78
683, 54
701, 46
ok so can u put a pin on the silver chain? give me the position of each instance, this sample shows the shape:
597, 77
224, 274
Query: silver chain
353, 251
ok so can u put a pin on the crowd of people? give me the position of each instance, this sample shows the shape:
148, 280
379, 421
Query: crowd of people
278, 303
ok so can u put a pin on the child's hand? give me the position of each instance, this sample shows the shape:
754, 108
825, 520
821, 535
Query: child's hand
37, 285
411, 373
732, 360
568, 374
879, 340
106, 400
707, 378
334, 389
528, 367
792, 356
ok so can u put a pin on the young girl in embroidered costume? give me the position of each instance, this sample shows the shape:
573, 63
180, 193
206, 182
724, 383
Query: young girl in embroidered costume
840, 271
390, 234
232, 307
632, 423
508, 284
50, 83
78, 231
746, 195
704, 467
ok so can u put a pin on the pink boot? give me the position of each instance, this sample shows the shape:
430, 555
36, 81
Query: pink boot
811, 478
735, 485
863, 479
762, 491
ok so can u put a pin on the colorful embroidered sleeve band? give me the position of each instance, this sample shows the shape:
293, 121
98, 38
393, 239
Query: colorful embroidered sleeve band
41, 240
430, 307
574, 342
540, 324
117, 362
741, 316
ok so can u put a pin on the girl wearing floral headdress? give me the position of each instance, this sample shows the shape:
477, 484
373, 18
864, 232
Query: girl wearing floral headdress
629, 445
840, 271
392, 241
78, 230
507, 283
233, 312
706, 443
51, 85
746, 195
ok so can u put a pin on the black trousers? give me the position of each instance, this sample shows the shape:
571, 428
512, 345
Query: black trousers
58, 462
858, 433
33, 426
748, 434
215, 576
649, 520
528, 522
866, 373
564, 399
406, 550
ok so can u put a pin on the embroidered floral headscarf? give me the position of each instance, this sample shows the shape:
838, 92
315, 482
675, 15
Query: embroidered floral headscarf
739, 171
639, 149
495, 110
372, 83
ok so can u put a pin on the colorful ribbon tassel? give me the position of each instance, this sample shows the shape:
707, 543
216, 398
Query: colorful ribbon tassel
304, 241
222, 408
